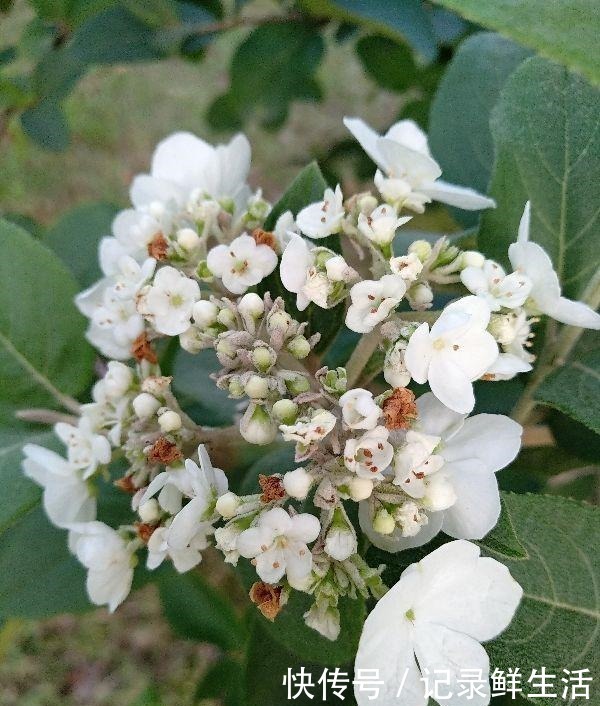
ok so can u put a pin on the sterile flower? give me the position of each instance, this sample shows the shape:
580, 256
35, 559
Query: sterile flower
411, 174
359, 409
278, 545
66, 497
466, 453
168, 302
495, 287
86, 450
109, 561
242, 263
323, 218
369, 455
531, 260
381, 225
407, 266
432, 622
373, 301
456, 351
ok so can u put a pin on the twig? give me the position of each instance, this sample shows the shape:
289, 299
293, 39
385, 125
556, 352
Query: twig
45, 416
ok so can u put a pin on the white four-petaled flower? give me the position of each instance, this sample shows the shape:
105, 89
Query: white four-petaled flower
168, 302
369, 455
373, 301
433, 622
323, 218
242, 263
359, 409
495, 287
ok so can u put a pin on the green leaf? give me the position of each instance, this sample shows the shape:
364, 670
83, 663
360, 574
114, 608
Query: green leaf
197, 392
389, 63
575, 390
224, 679
545, 129
75, 238
459, 132
564, 31
38, 576
557, 623
274, 66
113, 36
43, 354
306, 188
197, 611
45, 123
503, 538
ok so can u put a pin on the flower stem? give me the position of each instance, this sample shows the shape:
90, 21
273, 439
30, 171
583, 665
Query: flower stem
361, 355
555, 355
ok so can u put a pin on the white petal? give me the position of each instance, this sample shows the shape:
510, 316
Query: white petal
180, 157
459, 196
271, 565
305, 528
447, 654
298, 561
296, 259
437, 419
367, 138
253, 541
110, 586
409, 134
145, 190
492, 438
185, 523
450, 384
417, 355
524, 224
477, 507
404, 162
573, 313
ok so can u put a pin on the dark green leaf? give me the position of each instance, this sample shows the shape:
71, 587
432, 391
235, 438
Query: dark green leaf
56, 74
75, 238
503, 538
545, 129
112, 37
575, 390
389, 63
198, 612
45, 123
459, 131
42, 349
564, 31
306, 188
223, 113
279, 460
225, 679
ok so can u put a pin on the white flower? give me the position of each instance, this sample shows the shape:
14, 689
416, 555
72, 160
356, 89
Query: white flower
117, 380
373, 301
369, 455
495, 287
465, 454
433, 621
242, 263
300, 275
86, 450
381, 225
456, 351
184, 559
278, 545
532, 260
394, 367
323, 218
407, 266
340, 541
309, 431
184, 166
324, 618
109, 561
66, 496
512, 330
506, 366
168, 302
359, 409
285, 228
411, 173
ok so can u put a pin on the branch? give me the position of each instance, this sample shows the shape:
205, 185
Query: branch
202, 29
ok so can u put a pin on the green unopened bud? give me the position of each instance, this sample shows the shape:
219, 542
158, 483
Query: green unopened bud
383, 522
285, 411
227, 318
236, 390
322, 255
257, 387
299, 347
263, 358
203, 272
297, 385
259, 209
256, 426
472, 258
225, 347
279, 321
421, 248
448, 255
335, 381
227, 204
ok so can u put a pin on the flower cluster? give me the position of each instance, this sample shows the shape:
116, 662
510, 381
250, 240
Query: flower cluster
192, 261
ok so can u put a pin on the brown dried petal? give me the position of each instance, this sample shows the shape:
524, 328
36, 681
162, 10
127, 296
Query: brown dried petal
141, 349
164, 451
158, 247
400, 409
272, 488
267, 599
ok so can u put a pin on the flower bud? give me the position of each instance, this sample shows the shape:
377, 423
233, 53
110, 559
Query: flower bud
263, 358
188, 238
340, 542
297, 483
421, 248
285, 411
156, 385
256, 426
338, 270
169, 421
297, 385
235, 388
472, 258
420, 296
383, 522
203, 272
279, 321
251, 305
204, 313
149, 511
118, 379
145, 405
227, 505
299, 347
226, 317
335, 381
367, 203
224, 347
257, 387
360, 488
